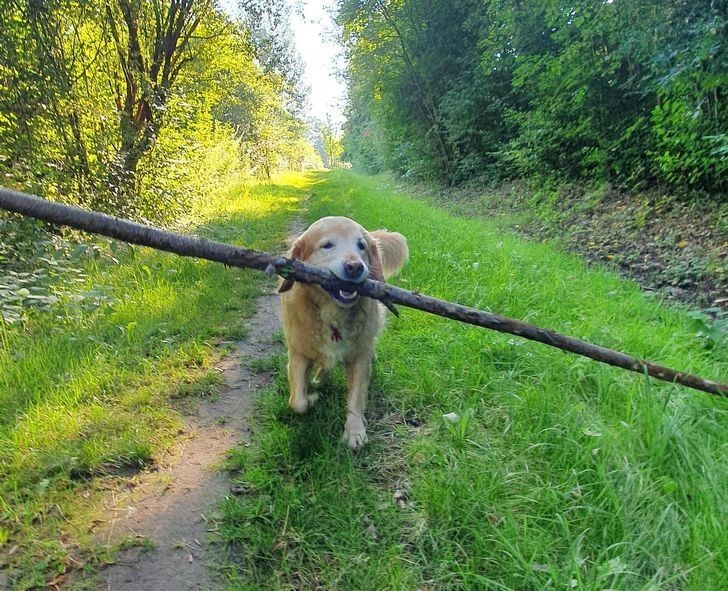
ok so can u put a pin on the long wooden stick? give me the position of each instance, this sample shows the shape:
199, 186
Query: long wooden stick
134, 233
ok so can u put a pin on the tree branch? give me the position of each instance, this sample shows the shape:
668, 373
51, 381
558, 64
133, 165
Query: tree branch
134, 233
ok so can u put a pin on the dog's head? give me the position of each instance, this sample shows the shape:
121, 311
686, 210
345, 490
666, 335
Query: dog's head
342, 246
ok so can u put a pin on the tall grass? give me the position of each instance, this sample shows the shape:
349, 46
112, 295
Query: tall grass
550, 471
86, 392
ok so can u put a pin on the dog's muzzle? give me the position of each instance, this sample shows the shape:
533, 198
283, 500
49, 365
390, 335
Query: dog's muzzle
353, 272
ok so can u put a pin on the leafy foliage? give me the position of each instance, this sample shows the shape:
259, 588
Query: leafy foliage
40, 270
137, 107
140, 109
629, 93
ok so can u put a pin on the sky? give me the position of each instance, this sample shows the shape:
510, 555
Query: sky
315, 37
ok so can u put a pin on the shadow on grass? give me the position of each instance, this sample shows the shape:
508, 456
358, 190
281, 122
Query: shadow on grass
320, 429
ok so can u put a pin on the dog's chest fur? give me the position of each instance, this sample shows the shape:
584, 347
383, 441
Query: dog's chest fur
341, 330
325, 332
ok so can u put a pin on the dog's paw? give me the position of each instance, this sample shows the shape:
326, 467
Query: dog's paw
355, 432
299, 404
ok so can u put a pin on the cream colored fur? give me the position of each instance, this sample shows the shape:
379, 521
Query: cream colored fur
321, 330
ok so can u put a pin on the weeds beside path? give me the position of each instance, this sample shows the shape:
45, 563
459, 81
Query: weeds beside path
674, 249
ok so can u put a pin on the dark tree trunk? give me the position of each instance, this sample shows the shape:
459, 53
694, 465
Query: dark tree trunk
149, 72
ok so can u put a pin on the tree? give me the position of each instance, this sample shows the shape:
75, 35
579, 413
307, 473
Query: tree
331, 142
137, 107
39, 113
624, 92
154, 42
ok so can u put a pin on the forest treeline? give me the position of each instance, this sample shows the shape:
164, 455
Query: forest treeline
137, 106
630, 92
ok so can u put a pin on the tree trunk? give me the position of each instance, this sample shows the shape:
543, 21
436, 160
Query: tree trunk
300, 271
150, 68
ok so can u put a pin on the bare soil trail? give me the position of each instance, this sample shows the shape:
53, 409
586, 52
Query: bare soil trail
167, 507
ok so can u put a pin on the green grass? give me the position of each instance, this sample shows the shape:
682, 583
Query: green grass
86, 393
556, 473
553, 471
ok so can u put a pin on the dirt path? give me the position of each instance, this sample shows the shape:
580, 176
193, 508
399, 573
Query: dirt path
168, 506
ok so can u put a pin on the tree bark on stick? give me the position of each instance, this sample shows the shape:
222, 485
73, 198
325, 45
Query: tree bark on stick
234, 256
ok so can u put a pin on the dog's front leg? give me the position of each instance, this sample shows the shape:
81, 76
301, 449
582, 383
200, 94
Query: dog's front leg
298, 368
358, 373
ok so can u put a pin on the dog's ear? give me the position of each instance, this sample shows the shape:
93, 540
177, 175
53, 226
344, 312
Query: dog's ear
298, 251
393, 251
285, 285
375, 259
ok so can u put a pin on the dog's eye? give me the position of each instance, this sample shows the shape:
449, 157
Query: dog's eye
362, 245
327, 245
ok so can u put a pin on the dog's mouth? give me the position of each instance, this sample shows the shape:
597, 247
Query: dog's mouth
342, 296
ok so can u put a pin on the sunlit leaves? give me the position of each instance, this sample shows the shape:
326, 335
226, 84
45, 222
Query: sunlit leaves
138, 129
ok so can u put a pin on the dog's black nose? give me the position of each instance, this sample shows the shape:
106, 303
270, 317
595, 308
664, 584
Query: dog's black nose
353, 269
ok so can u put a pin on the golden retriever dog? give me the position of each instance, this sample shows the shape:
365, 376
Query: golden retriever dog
323, 328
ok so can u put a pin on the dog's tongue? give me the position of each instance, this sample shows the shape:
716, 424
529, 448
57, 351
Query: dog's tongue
348, 295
